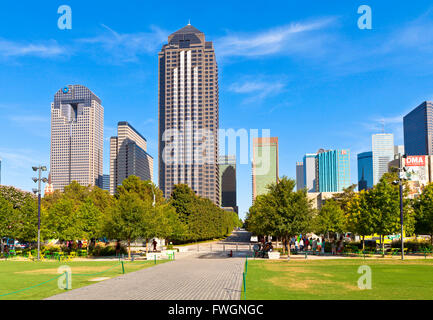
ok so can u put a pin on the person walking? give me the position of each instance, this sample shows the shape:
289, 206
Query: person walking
319, 245
154, 245
314, 245
296, 245
323, 246
301, 245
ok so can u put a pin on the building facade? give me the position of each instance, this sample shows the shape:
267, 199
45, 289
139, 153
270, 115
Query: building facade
265, 164
309, 165
128, 156
365, 170
418, 130
188, 114
105, 182
299, 175
227, 174
77, 135
332, 170
383, 153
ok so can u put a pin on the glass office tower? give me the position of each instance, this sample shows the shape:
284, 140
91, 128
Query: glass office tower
418, 130
332, 170
365, 170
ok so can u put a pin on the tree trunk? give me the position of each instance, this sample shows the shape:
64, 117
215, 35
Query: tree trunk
129, 248
288, 248
363, 243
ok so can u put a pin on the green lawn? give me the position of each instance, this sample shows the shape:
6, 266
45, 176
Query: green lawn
16, 275
338, 279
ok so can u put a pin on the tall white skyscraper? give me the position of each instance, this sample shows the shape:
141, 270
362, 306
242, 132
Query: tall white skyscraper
77, 136
383, 153
128, 156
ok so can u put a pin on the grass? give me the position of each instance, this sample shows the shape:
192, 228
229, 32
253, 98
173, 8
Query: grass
338, 280
16, 275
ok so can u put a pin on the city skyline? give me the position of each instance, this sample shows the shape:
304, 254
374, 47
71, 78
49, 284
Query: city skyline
269, 72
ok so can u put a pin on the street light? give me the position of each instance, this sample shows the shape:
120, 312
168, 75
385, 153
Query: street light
401, 177
38, 192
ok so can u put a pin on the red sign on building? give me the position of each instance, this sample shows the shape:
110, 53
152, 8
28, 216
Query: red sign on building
415, 161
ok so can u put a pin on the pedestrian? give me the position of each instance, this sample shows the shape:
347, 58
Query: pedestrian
323, 245
314, 245
319, 245
301, 244
154, 245
307, 243
118, 248
333, 248
80, 244
296, 245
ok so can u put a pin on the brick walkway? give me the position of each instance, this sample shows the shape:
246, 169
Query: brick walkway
196, 276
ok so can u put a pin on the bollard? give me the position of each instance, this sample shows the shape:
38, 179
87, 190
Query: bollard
245, 286
123, 268
154, 258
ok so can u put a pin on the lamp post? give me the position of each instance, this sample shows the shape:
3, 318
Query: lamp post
37, 191
401, 169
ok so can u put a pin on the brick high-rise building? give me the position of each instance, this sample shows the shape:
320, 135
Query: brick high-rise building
188, 111
128, 156
77, 136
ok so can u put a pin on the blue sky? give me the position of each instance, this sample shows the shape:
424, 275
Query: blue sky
302, 69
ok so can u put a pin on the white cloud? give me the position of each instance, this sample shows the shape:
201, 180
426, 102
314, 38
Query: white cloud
257, 89
288, 39
16, 49
126, 47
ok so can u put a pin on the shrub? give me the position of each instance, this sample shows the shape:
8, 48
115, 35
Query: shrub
106, 250
413, 246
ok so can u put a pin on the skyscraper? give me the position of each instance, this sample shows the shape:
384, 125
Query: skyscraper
77, 134
299, 176
128, 156
309, 162
265, 164
188, 114
383, 153
332, 170
365, 170
227, 172
418, 130
105, 182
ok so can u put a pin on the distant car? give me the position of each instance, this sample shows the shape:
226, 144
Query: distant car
254, 239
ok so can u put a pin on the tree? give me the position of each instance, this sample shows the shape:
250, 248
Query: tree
359, 215
284, 212
344, 197
330, 219
423, 207
7, 221
129, 219
385, 207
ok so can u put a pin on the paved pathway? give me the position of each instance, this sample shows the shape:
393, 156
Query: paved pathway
194, 276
